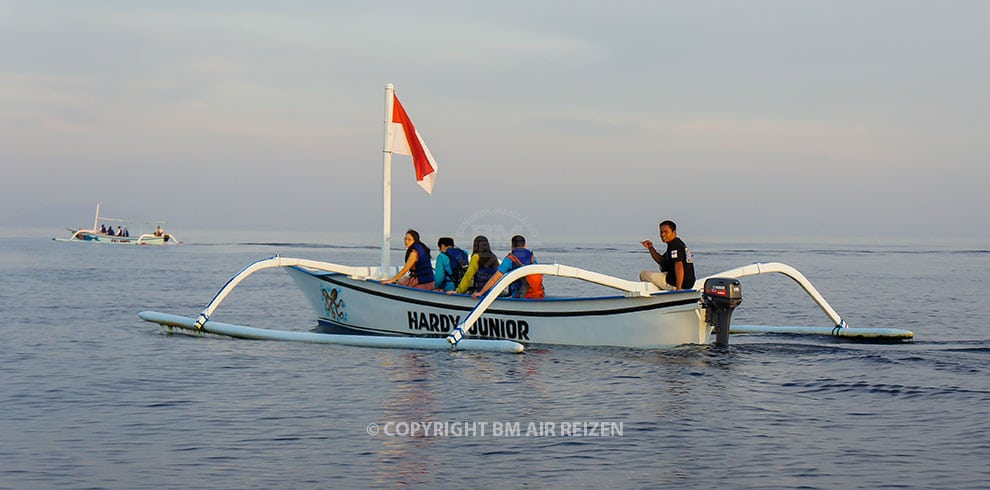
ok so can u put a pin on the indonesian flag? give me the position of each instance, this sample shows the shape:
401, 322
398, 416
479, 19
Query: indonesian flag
407, 141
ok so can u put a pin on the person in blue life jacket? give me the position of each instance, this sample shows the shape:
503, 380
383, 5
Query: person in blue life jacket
481, 267
518, 257
418, 264
676, 263
452, 263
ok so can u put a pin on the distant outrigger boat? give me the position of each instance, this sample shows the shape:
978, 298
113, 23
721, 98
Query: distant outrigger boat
96, 236
353, 303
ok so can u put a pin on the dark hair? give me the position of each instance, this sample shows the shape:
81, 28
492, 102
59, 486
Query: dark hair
483, 250
667, 222
415, 236
445, 240
518, 241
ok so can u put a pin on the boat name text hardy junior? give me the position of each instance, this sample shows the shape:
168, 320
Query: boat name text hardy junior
485, 327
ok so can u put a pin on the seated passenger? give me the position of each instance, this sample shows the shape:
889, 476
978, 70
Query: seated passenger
481, 267
418, 264
676, 263
452, 262
528, 287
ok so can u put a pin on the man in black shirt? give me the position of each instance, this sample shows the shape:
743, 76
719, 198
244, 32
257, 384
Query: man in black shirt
676, 263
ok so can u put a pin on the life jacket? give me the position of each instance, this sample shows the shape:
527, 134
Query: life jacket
521, 257
422, 270
458, 264
483, 274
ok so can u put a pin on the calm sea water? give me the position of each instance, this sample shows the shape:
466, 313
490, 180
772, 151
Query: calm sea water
92, 397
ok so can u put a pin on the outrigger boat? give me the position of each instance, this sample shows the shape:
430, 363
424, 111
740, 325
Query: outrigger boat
96, 236
353, 304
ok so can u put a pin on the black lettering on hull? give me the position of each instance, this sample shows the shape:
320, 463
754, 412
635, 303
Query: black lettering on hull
485, 327
432, 322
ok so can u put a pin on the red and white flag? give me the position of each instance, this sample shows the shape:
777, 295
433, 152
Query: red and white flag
407, 141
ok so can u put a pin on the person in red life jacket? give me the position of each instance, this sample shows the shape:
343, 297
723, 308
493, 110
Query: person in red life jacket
452, 263
527, 287
676, 263
481, 267
417, 264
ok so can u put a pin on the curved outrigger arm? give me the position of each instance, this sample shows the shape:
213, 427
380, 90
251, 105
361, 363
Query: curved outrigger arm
147, 237
273, 262
632, 289
771, 267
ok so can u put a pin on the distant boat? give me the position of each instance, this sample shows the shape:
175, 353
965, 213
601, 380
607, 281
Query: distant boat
109, 235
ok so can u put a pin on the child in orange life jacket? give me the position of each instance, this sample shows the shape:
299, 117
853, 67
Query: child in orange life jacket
529, 287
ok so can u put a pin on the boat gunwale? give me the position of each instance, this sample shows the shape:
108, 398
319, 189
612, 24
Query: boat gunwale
656, 303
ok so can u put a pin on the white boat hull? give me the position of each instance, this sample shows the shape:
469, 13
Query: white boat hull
361, 306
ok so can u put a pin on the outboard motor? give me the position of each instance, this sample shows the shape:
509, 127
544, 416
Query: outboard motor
721, 296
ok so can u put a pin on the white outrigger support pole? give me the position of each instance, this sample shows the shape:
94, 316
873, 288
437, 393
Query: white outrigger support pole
632, 289
387, 181
772, 267
218, 328
96, 220
273, 262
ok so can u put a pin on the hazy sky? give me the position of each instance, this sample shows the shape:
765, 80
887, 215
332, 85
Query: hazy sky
783, 118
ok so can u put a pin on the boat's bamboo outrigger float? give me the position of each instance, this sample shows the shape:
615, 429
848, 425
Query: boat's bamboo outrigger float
352, 302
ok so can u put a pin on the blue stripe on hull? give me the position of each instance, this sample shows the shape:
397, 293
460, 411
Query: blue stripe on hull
331, 327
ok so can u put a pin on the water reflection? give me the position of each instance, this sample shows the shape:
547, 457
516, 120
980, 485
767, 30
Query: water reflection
411, 399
